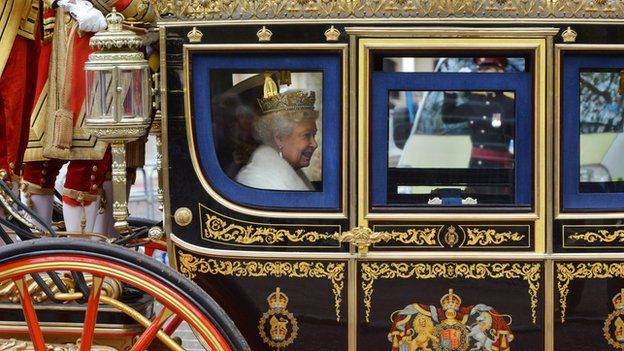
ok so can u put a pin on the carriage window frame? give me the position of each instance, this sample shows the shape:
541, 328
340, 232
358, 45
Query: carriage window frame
328, 59
502, 44
572, 199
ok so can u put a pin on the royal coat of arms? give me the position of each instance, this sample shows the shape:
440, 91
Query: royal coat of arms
451, 327
278, 328
614, 324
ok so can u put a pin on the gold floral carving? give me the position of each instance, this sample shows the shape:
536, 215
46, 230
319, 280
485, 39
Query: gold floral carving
529, 272
319, 9
603, 236
426, 236
566, 272
190, 265
218, 229
485, 237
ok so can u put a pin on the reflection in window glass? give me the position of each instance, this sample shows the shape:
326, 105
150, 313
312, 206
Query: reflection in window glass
460, 146
601, 133
268, 127
452, 64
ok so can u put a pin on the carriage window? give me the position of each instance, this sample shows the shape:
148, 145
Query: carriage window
452, 64
445, 147
267, 127
601, 132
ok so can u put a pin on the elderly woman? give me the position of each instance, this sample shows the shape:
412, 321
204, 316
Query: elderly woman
286, 129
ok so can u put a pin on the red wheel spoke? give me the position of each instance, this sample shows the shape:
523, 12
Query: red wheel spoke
36, 336
172, 325
88, 330
150, 333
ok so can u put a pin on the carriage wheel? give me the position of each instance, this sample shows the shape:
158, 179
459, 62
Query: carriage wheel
181, 299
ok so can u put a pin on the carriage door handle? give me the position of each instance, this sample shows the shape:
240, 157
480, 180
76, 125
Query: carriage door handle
362, 238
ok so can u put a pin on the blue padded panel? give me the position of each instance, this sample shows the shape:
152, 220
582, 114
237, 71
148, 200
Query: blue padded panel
520, 83
331, 66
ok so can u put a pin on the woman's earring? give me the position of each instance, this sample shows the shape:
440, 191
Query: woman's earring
281, 155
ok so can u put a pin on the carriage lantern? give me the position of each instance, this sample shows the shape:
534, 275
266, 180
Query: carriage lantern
118, 104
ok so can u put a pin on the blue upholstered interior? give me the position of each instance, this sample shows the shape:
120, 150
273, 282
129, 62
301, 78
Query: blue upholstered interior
330, 63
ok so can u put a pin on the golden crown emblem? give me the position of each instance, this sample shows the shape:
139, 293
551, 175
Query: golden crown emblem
195, 35
569, 35
293, 100
450, 301
114, 20
277, 300
264, 35
618, 300
332, 34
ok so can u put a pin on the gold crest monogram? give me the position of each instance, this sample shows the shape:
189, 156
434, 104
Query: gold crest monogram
613, 329
450, 327
278, 328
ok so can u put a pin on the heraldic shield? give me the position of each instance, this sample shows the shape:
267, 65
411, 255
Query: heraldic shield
450, 327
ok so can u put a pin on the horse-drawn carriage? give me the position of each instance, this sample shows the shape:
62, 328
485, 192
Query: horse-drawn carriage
353, 175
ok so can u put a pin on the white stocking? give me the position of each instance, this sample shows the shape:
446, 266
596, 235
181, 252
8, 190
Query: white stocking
42, 204
104, 221
73, 217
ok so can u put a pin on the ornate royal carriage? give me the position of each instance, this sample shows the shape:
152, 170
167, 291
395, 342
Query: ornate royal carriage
407, 241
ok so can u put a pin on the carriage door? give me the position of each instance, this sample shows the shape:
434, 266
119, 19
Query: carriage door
451, 193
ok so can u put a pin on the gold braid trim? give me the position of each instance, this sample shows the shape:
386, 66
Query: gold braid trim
9, 25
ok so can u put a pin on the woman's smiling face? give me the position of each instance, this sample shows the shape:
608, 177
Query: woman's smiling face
298, 147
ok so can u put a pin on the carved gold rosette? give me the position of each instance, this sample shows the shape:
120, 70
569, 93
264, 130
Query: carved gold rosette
601, 236
529, 272
566, 272
486, 237
219, 228
190, 265
302, 9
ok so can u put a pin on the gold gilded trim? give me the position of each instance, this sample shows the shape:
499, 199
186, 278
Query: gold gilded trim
603, 236
485, 237
567, 272
529, 272
230, 204
380, 9
18, 345
221, 229
190, 265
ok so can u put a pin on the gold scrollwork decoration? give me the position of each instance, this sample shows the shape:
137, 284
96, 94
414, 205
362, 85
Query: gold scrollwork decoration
9, 290
567, 272
485, 237
421, 237
190, 265
603, 236
219, 229
529, 272
331, 9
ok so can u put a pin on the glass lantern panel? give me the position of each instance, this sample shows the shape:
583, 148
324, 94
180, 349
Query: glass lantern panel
133, 84
100, 91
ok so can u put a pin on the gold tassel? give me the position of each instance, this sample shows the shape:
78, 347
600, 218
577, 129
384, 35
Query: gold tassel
63, 129
285, 78
270, 88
